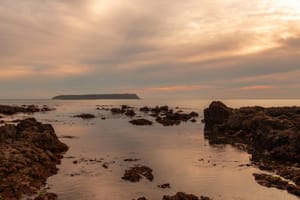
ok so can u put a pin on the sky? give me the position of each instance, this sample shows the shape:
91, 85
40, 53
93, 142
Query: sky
158, 48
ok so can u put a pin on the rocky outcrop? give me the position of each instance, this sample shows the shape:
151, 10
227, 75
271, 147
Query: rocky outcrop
167, 116
271, 135
29, 153
217, 113
163, 115
11, 110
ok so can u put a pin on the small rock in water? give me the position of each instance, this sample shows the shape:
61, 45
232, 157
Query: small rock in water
131, 159
135, 174
46, 196
105, 165
184, 196
85, 116
141, 122
130, 113
165, 185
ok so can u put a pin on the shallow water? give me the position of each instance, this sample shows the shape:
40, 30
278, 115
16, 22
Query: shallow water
179, 155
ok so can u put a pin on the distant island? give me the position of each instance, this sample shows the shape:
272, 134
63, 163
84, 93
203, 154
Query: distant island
96, 96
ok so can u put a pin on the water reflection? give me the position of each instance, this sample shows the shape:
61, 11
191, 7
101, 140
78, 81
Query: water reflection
178, 155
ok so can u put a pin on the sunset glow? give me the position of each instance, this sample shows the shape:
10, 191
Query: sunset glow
114, 44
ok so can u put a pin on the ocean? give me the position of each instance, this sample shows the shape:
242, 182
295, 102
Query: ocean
179, 155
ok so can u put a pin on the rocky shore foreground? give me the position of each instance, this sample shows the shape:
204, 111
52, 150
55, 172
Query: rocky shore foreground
270, 135
29, 153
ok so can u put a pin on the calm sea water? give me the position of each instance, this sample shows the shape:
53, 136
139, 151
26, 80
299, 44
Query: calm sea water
179, 155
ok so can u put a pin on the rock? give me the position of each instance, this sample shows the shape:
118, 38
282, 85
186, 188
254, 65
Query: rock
141, 122
29, 153
193, 120
46, 196
184, 196
217, 113
166, 121
135, 174
271, 136
141, 198
85, 116
130, 113
271, 181
165, 185
105, 165
68, 137
116, 111
167, 117
277, 182
194, 114
11, 110
131, 159
145, 109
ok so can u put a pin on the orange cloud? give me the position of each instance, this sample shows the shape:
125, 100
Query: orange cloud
14, 73
170, 88
54, 71
257, 87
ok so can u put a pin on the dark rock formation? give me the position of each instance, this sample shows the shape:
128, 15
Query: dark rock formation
277, 182
167, 117
29, 153
135, 174
271, 135
11, 110
141, 122
145, 109
85, 116
217, 113
184, 196
46, 196
117, 111
130, 113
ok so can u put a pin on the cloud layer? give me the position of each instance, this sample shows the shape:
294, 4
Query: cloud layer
209, 49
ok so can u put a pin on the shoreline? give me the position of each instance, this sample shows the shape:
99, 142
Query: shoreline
29, 153
270, 135
223, 125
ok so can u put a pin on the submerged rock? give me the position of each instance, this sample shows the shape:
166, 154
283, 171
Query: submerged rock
29, 153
